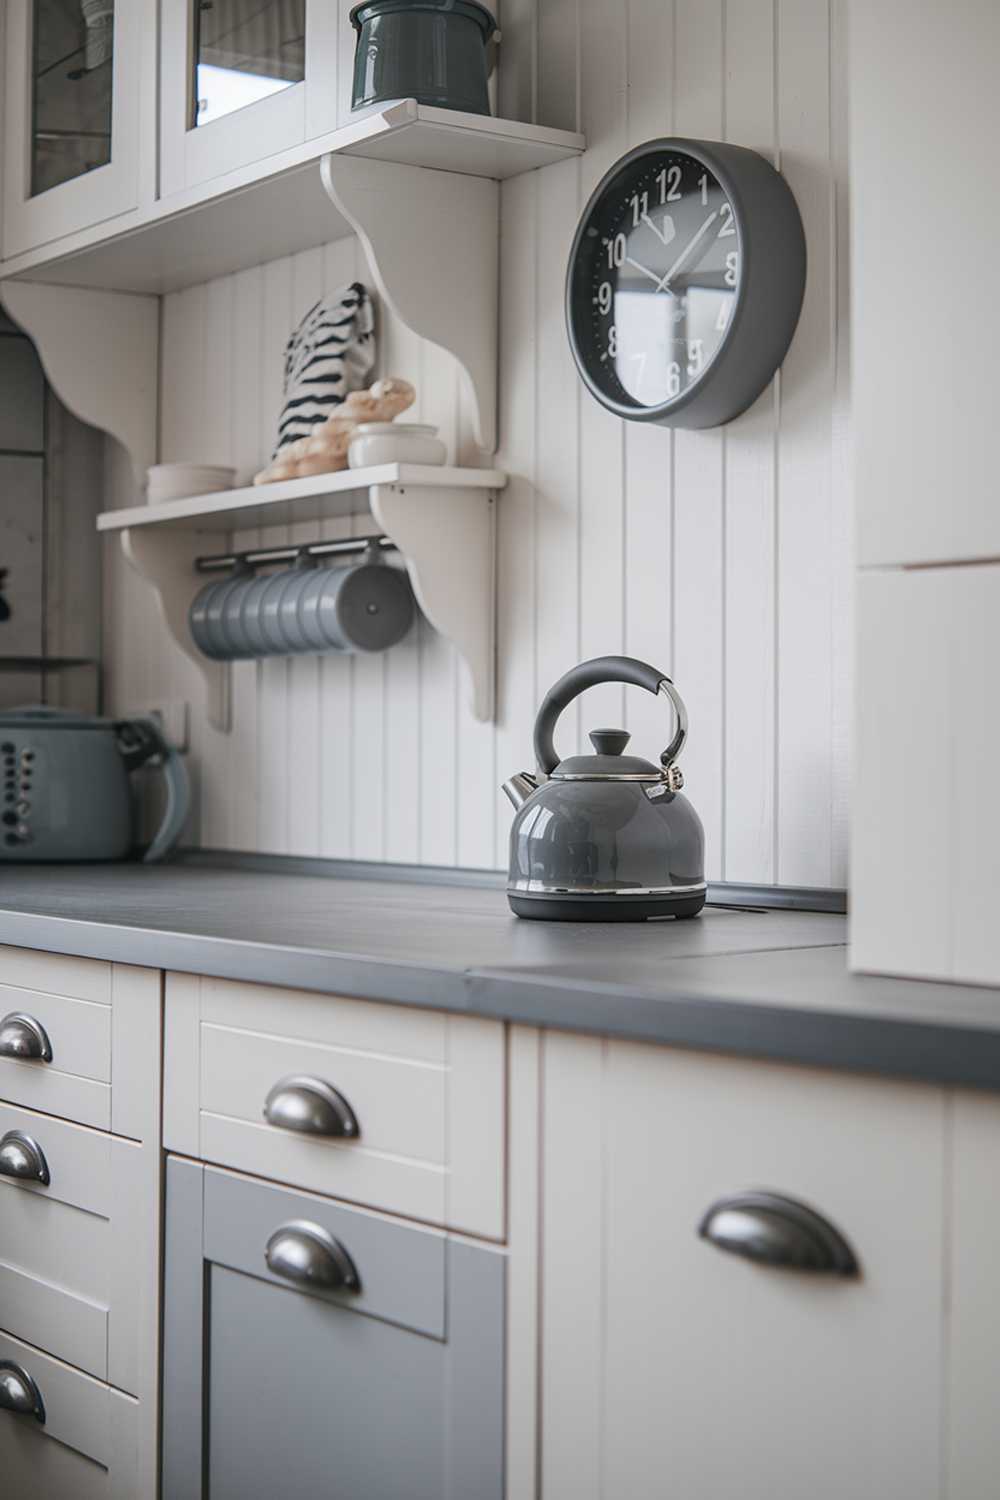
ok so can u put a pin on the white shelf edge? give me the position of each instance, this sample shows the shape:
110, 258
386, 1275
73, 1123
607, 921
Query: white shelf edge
221, 503
373, 130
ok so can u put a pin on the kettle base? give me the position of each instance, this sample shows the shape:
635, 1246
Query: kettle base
563, 908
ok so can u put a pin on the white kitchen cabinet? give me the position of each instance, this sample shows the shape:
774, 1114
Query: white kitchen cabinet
427, 1092
926, 814
670, 1368
925, 116
75, 81
212, 59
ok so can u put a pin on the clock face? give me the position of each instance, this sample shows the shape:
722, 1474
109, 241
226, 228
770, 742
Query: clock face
655, 280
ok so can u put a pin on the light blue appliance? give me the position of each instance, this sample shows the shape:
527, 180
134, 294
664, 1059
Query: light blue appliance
65, 793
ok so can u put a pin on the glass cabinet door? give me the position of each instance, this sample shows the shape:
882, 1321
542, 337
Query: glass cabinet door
242, 80
245, 50
71, 83
71, 116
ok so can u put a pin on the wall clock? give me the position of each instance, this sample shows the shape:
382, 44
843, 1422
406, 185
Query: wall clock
685, 282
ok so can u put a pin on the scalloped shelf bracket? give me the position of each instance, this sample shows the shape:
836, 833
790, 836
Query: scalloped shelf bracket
100, 353
165, 559
447, 540
432, 239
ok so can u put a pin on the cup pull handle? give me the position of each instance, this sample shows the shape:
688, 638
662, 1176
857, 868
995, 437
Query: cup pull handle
308, 1255
311, 1106
25, 1038
777, 1231
18, 1392
23, 1158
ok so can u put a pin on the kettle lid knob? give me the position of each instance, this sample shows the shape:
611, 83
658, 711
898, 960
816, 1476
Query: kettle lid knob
609, 741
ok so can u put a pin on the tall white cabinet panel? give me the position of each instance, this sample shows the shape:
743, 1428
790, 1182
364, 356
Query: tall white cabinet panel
925, 117
672, 1368
926, 815
73, 86
243, 80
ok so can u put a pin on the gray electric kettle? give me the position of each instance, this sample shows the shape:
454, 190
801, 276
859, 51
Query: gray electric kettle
606, 837
65, 792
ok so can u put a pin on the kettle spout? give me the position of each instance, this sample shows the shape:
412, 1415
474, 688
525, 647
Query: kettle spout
520, 787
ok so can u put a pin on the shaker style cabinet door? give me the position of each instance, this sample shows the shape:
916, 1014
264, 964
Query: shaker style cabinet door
674, 1365
241, 80
312, 1349
73, 84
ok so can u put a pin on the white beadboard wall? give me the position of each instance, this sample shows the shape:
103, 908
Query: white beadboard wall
720, 556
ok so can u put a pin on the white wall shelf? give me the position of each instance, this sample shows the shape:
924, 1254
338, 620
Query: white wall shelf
442, 520
277, 207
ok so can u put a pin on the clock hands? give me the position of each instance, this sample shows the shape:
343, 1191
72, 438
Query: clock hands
645, 271
664, 281
663, 238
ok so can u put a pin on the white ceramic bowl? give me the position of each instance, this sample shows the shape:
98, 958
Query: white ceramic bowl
180, 481
394, 443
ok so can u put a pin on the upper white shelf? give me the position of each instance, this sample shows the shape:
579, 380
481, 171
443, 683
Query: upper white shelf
278, 207
289, 501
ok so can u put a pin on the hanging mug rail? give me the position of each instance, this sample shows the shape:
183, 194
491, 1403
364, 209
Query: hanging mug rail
259, 557
361, 604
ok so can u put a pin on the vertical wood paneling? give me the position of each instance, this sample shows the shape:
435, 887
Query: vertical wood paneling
603, 93
749, 765
556, 428
699, 600
648, 449
720, 556
804, 563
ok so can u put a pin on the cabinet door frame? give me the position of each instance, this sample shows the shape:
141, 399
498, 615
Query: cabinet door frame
474, 1327
191, 156
105, 193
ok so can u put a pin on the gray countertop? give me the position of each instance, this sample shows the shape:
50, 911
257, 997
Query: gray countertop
762, 983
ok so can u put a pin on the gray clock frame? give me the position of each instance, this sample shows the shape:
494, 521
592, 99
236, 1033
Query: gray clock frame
772, 249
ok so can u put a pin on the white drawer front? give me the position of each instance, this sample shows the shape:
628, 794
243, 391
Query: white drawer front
87, 1447
673, 1368
55, 973
72, 1252
427, 1089
76, 1083
101, 1022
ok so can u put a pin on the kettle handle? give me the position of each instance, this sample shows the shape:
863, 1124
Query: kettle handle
588, 674
140, 740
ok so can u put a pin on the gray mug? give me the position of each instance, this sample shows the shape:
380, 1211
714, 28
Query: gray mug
366, 606
289, 623
238, 648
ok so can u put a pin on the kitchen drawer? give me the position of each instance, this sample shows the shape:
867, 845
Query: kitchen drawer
672, 1367
427, 1091
101, 1022
75, 1252
86, 1449
393, 1388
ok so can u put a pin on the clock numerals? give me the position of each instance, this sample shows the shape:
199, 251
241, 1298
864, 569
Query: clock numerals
728, 225
722, 317
673, 379
696, 356
616, 252
612, 342
604, 298
732, 268
640, 208
669, 181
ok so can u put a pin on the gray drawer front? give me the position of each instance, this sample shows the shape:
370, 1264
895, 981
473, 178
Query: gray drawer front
402, 1270
269, 1390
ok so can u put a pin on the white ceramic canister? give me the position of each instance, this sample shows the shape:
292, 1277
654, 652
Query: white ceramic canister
394, 443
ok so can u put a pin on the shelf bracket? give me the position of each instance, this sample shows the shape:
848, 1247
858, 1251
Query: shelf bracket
447, 539
100, 353
165, 559
432, 241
